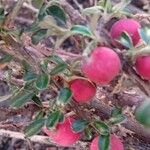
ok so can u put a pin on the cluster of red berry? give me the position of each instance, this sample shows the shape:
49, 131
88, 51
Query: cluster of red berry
100, 68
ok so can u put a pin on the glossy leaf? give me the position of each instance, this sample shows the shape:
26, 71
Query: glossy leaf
58, 69
64, 96
29, 76
143, 113
88, 133
58, 13
42, 81
2, 15
79, 125
26, 66
102, 127
56, 59
37, 3
42, 13
37, 100
104, 142
145, 34
35, 127
80, 29
117, 119
39, 115
126, 40
53, 118
61, 118
116, 111
106, 4
21, 98
38, 36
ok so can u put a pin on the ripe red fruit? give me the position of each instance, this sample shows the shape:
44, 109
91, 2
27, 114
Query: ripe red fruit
115, 143
82, 89
126, 25
142, 66
102, 66
64, 135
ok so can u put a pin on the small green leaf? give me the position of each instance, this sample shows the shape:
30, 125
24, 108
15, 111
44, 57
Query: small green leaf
38, 36
39, 115
88, 133
21, 98
80, 29
106, 4
56, 59
145, 34
61, 118
58, 69
92, 10
116, 111
5, 58
37, 100
42, 81
53, 118
35, 127
26, 66
37, 3
2, 15
79, 125
142, 113
117, 119
104, 142
102, 127
42, 13
29, 76
64, 96
58, 13
126, 40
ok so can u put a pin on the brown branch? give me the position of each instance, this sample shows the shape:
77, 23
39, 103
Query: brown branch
130, 124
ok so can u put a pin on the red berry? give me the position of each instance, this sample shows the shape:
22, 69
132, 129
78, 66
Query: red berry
115, 143
126, 25
64, 135
82, 89
103, 65
142, 66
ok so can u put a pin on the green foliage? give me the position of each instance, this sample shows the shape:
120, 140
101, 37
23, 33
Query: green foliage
79, 125
64, 96
58, 13
126, 40
145, 34
104, 142
37, 3
101, 127
6, 58
38, 36
21, 98
58, 69
143, 112
37, 100
117, 116
83, 30
42, 81
35, 127
53, 118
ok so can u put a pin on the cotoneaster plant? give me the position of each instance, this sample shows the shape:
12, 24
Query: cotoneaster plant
115, 143
83, 90
63, 135
102, 66
130, 26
